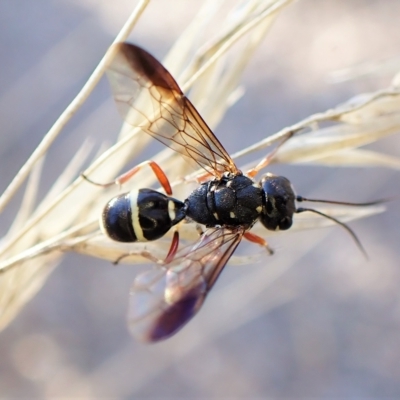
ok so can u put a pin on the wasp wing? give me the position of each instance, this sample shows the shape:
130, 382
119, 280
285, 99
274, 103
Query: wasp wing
149, 98
163, 300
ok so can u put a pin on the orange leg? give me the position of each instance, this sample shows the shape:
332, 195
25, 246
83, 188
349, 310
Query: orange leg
252, 237
267, 160
204, 177
120, 180
173, 248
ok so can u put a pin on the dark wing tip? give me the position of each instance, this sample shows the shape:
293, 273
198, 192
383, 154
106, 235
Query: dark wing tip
172, 319
145, 64
177, 316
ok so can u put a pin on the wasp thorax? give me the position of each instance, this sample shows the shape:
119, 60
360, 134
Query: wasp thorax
141, 215
278, 202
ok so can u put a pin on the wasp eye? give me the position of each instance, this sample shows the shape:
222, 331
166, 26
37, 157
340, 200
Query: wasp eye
285, 223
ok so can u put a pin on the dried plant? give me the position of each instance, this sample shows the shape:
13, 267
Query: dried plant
34, 246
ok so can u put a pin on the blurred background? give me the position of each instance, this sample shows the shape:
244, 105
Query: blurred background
315, 320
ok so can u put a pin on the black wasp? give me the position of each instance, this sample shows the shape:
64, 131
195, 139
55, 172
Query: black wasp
164, 299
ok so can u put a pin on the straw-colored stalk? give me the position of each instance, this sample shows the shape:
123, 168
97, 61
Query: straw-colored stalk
34, 245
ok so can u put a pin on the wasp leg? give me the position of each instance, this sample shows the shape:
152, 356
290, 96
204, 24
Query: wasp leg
143, 253
120, 180
146, 254
268, 158
206, 176
252, 237
173, 248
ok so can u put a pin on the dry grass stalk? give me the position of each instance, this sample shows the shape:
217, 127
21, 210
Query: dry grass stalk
34, 246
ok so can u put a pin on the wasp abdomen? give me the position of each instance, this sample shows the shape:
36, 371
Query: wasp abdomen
141, 215
116, 219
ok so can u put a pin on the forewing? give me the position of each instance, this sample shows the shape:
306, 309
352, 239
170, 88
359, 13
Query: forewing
148, 97
163, 300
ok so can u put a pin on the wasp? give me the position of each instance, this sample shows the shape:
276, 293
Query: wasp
228, 204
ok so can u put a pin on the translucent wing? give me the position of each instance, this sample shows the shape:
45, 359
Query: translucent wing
163, 300
148, 97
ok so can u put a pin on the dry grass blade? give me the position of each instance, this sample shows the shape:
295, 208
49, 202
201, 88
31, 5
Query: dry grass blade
34, 245
378, 109
70, 111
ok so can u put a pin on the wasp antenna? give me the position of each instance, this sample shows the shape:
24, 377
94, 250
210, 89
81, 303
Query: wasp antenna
345, 203
342, 224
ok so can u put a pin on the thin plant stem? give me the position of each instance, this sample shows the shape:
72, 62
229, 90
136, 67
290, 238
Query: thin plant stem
70, 111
